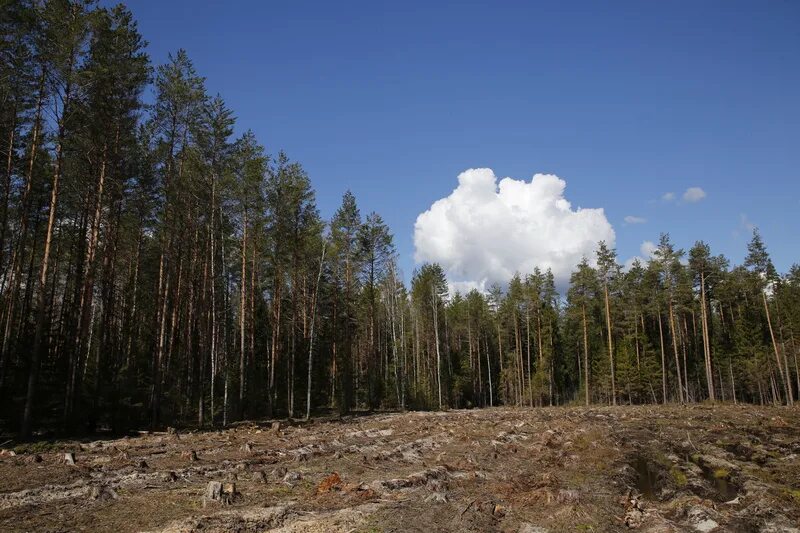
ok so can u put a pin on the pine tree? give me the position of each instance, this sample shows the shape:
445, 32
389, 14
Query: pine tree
760, 264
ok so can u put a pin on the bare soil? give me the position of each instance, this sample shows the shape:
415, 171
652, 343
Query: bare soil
649, 468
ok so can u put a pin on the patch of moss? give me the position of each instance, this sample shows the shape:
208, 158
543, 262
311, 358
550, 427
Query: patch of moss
721, 473
281, 491
695, 458
793, 494
42, 446
679, 477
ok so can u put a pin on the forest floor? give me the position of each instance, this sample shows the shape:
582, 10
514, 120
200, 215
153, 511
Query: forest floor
648, 468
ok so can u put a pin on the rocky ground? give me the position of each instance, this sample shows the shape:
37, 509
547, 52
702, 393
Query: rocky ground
651, 468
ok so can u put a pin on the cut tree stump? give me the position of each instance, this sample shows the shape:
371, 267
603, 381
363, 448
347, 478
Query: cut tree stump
229, 490
69, 458
223, 493
213, 492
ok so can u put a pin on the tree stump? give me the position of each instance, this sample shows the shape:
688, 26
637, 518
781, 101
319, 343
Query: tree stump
223, 493
229, 491
213, 492
69, 458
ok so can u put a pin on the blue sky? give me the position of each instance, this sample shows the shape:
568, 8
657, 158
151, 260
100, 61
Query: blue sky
625, 101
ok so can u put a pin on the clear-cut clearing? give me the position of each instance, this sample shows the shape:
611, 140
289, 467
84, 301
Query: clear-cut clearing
649, 468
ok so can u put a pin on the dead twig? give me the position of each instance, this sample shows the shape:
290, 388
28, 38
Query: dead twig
690, 442
467, 508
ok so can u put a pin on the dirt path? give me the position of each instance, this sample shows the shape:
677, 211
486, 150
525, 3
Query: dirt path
523, 470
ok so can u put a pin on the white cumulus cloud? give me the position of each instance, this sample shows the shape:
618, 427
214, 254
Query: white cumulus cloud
630, 219
485, 231
694, 194
647, 249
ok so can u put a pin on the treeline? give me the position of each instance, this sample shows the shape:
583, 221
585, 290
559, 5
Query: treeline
155, 269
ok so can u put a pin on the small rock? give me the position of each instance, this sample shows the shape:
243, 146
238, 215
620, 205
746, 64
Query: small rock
706, 525
69, 458
102, 493
248, 448
530, 528
700, 519
169, 477
277, 473
568, 496
259, 477
438, 497
292, 478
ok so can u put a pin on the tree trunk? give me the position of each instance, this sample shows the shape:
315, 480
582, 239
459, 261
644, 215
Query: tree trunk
242, 312
663, 360
674, 333
585, 355
311, 335
706, 343
33, 374
434, 307
784, 375
610, 346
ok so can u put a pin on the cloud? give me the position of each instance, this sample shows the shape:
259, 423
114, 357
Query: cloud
746, 226
485, 231
668, 196
630, 219
745, 223
693, 194
647, 249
